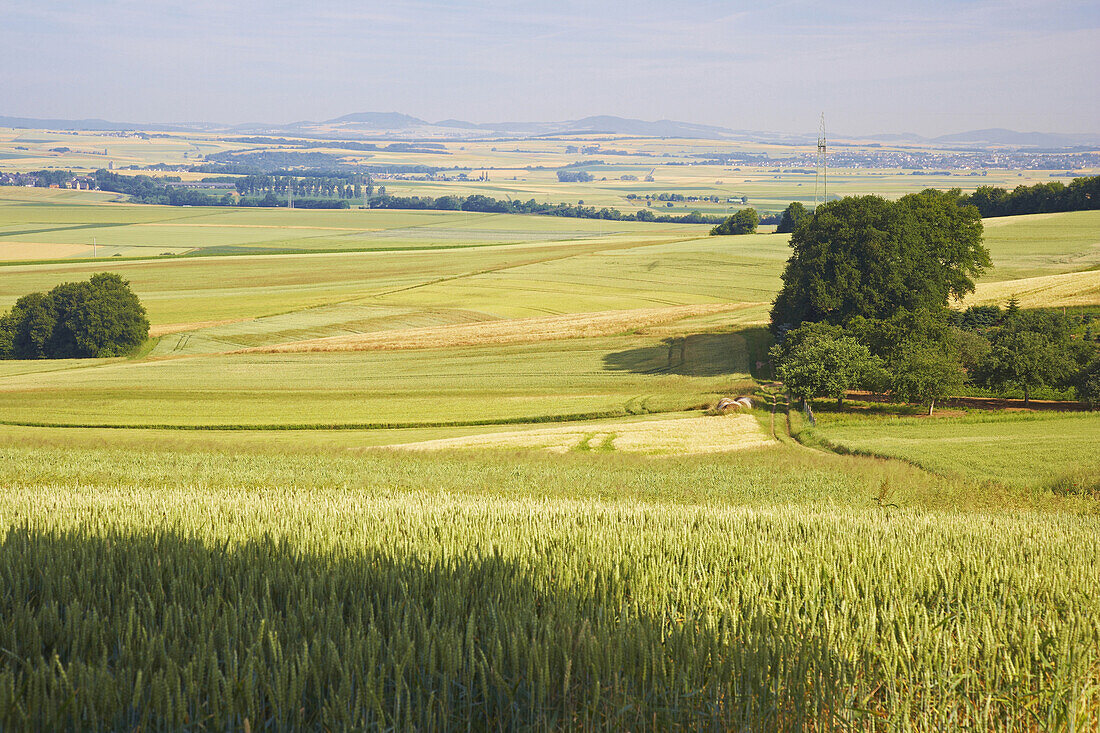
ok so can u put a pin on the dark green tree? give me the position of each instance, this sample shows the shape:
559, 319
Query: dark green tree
793, 215
889, 336
972, 347
107, 320
7, 335
744, 221
923, 354
96, 318
1030, 350
866, 256
34, 320
1088, 384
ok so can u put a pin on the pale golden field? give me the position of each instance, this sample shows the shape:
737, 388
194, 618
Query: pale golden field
670, 437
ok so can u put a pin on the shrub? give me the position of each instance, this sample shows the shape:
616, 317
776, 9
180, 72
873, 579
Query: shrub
744, 221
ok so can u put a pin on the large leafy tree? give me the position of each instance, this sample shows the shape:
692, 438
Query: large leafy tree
924, 372
866, 256
1024, 359
922, 353
1031, 350
96, 318
32, 322
107, 320
1088, 383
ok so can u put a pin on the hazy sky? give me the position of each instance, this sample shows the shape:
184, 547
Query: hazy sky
925, 66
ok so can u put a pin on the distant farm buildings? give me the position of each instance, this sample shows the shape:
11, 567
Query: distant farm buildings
38, 180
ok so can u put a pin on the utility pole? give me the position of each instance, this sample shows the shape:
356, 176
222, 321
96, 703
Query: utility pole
821, 180
93, 248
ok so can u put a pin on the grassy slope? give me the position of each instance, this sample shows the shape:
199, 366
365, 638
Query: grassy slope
1043, 244
1045, 260
141, 231
217, 288
287, 298
1030, 450
612, 374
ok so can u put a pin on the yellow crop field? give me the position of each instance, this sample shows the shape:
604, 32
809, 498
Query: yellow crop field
677, 437
506, 331
1071, 289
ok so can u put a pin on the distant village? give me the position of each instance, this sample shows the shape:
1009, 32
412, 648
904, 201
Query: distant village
49, 179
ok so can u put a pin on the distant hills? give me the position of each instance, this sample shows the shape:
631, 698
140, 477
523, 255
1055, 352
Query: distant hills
997, 136
397, 125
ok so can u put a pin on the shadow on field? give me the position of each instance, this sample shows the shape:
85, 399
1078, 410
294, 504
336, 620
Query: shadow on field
164, 631
698, 355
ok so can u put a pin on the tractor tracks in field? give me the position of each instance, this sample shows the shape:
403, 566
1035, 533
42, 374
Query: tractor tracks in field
602, 247
377, 296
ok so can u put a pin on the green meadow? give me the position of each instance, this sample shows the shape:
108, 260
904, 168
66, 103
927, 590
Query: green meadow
1039, 451
1043, 244
616, 376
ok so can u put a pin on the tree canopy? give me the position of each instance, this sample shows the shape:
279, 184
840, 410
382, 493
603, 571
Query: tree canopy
819, 360
1031, 350
793, 215
1080, 194
866, 256
1088, 383
744, 221
924, 373
96, 318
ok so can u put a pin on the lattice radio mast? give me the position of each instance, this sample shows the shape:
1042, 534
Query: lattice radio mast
821, 181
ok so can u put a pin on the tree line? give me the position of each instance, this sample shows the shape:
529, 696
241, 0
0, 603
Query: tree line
1080, 195
269, 161
864, 306
144, 189
148, 190
488, 204
317, 186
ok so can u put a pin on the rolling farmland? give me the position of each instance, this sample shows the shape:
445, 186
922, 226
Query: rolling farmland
423, 469
462, 367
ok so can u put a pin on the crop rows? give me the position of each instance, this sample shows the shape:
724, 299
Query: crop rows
170, 608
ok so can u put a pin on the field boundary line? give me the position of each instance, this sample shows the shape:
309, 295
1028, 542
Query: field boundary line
524, 420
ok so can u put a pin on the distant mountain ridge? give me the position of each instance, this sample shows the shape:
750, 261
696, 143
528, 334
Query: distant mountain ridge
399, 125
998, 136
378, 119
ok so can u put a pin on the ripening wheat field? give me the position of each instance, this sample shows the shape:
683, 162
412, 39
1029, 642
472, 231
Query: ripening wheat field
201, 590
